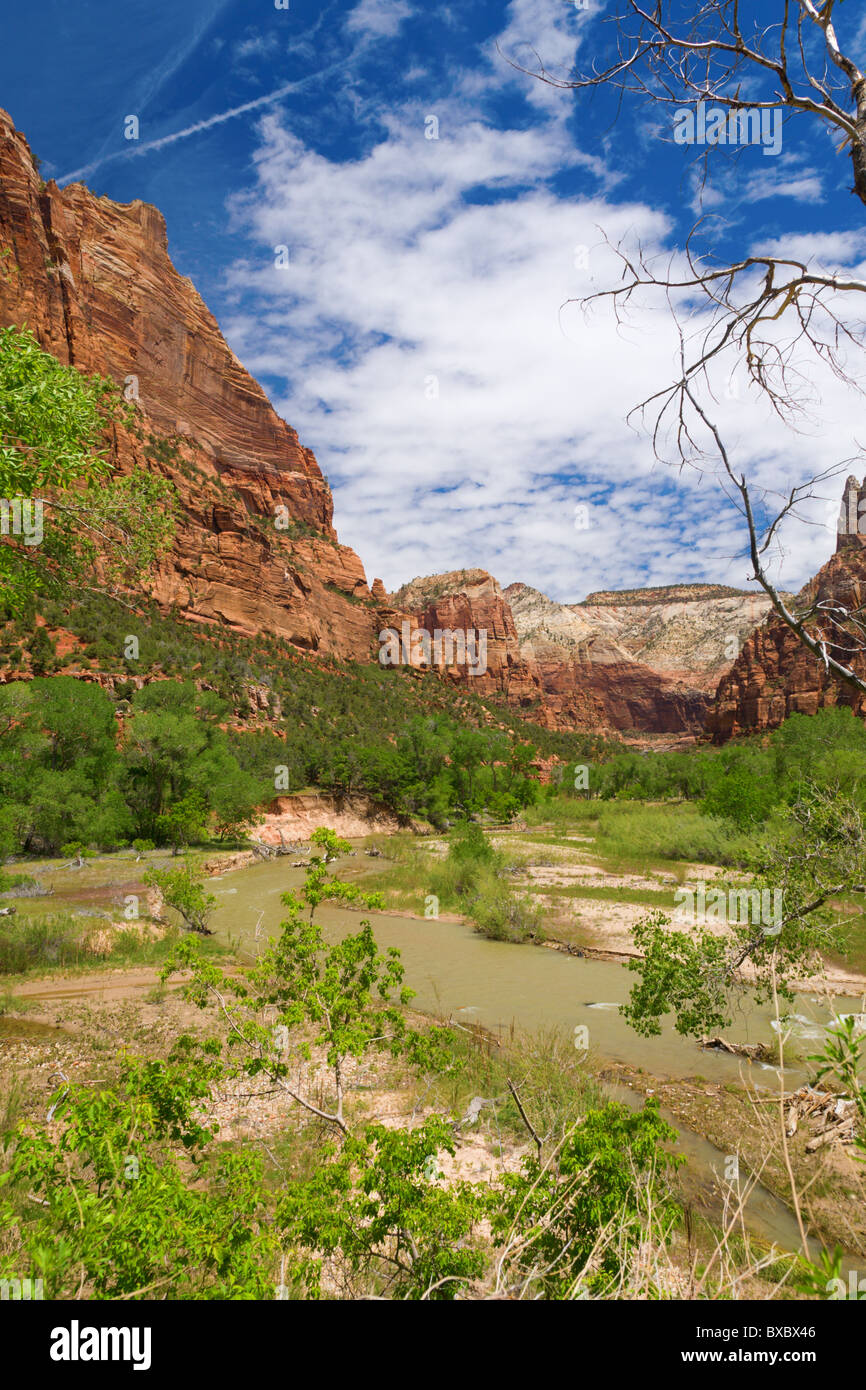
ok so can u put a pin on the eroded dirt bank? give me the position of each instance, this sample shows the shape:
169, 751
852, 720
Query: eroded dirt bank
294, 818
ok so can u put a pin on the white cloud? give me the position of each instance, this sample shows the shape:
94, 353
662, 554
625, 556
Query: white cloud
541, 35
805, 188
379, 18
257, 46
825, 249
460, 403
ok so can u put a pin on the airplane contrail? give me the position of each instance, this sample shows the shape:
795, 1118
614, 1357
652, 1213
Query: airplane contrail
135, 149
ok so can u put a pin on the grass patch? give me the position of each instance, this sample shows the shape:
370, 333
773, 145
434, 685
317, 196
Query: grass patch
555, 1085
11, 1004
473, 879
63, 941
629, 833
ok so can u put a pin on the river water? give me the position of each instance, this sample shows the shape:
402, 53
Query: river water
457, 973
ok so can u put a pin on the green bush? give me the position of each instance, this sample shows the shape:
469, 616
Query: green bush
503, 915
470, 879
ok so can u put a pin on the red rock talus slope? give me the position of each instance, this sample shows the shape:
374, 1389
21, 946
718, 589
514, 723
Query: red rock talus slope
775, 675
94, 282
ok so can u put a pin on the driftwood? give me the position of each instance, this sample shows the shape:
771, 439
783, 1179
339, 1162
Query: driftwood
265, 851
524, 1117
832, 1119
756, 1052
481, 1034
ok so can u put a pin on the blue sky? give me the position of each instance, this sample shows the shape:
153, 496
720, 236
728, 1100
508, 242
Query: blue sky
423, 338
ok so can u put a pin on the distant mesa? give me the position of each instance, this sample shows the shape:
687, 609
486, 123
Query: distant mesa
666, 593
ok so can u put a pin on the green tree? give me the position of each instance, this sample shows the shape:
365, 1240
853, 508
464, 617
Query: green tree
179, 764
60, 770
183, 889
346, 998
377, 1201
741, 792
115, 1201
42, 652
816, 855
78, 513
576, 1220
185, 820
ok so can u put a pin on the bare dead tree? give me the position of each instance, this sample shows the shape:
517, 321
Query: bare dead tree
778, 316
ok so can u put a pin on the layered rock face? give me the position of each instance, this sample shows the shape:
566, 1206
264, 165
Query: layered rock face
646, 661
689, 633
255, 547
775, 675
469, 602
629, 696
650, 658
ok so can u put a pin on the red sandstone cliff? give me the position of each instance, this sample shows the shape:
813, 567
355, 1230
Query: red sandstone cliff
594, 684
650, 659
775, 675
468, 601
94, 281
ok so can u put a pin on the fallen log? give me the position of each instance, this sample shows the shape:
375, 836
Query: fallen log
831, 1117
842, 1133
756, 1052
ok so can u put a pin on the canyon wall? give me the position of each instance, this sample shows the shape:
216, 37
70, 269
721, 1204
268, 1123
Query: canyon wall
94, 282
775, 674
644, 662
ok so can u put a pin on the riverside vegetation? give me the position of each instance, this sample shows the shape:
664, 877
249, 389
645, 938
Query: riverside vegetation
125, 1191
126, 1186
346, 1207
